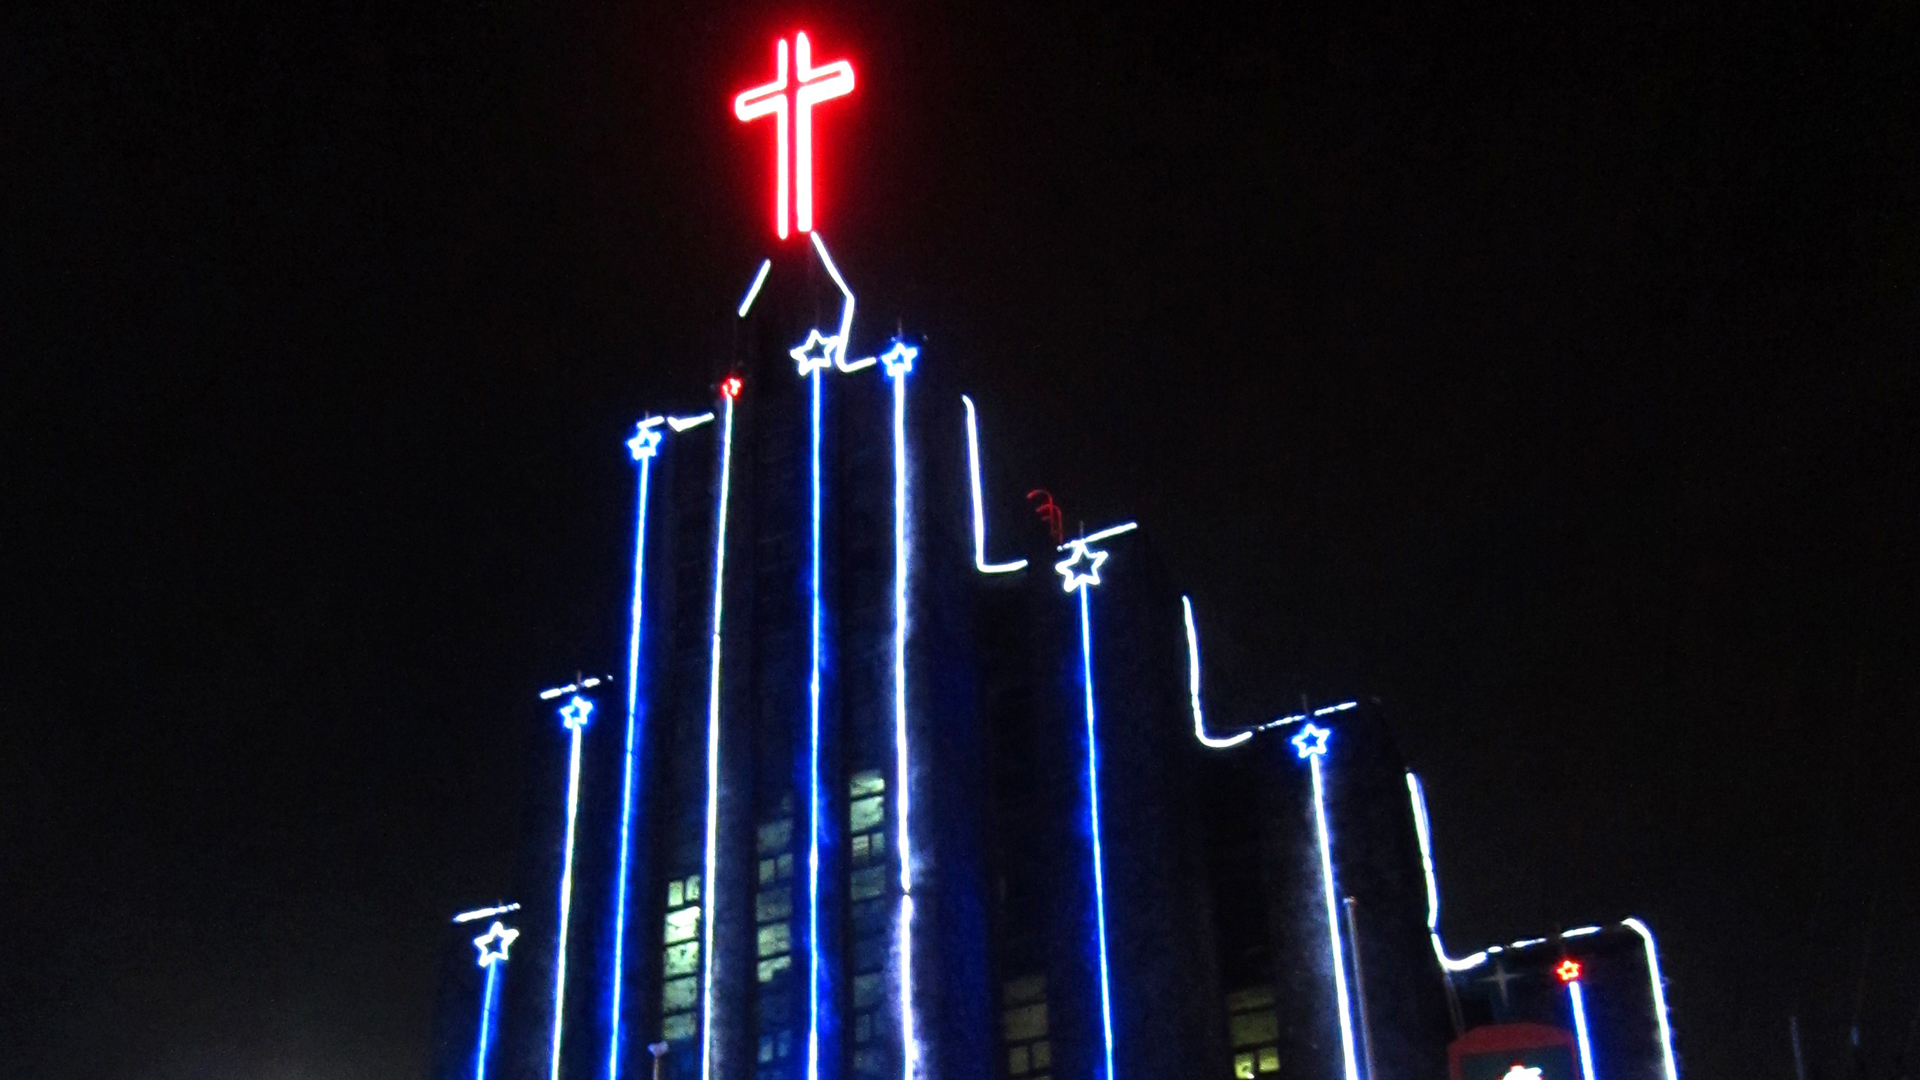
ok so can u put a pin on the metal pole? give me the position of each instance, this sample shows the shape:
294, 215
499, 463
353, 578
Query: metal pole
1360, 987
658, 1050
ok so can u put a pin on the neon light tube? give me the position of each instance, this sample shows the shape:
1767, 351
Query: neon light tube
493, 947
573, 715
1313, 753
1114, 530
1093, 805
1580, 1030
771, 100
814, 85
485, 912
1580, 931
644, 453
1193, 688
1421, 830
980, 562
813, 723
753, 290
486, 1023
846, 305
899, 361
587, 683
1659, 995
683, 423
729, 390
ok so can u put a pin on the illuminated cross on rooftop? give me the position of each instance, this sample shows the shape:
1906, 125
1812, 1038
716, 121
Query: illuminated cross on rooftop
791, 102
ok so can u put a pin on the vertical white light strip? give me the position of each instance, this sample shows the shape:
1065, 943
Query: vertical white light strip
1333, 922
980, 562
909, 1042
730, 388
1093, 804
1422, 830
626, 782
486, 1022
1193, 688
1659, 995
813, 721
1580, 1030
574, 716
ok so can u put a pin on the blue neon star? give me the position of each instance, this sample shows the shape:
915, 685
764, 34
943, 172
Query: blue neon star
645, 441
493, 944
898, 360
1081, 566
1312, 740
574, 713
817, 352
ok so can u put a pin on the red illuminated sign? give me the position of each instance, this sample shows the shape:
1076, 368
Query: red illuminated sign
790, 102
1568, 970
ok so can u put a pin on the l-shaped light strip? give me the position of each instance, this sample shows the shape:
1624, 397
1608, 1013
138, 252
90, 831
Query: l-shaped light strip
1193, 688
729, 389
980, 562
846, 310
1422, 829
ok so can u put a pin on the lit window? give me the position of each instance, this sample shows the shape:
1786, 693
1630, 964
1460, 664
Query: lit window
775, 939
772, 904
867, 814
866, 991
693, 888
678, 994
776, 835
1026, 988
1017, 1060
1042, 1054
1025, 1022
1269, 1059
867, 782
869, 883
678, 1026
681, 959
683, 925
676, 895
766, 870
770, 968
1250, 1029
1243, 1066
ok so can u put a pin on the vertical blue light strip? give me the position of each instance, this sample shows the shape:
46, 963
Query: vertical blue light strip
813, 780
1333, 922
1580, 1030
486, 1022
909, 1039
713, 745
626, 783
1093, 804
574, 715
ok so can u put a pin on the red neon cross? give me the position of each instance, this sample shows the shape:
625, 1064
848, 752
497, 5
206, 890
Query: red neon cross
813, 85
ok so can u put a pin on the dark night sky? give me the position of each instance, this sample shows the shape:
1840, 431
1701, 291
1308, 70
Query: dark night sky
1547, 374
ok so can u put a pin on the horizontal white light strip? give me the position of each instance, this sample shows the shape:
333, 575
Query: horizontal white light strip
1115, 530
684, 423
485, 912
587, 683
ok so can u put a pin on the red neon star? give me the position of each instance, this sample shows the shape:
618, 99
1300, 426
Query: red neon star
811, 86
1569, 970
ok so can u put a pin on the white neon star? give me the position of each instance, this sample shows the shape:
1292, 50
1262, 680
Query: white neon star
1312, 740
809, 360
898, 360
1081, 566
1521, 1072
574, 713
493, 944
646, 441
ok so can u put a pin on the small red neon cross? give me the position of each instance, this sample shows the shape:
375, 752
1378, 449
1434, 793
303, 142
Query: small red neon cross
813, 85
